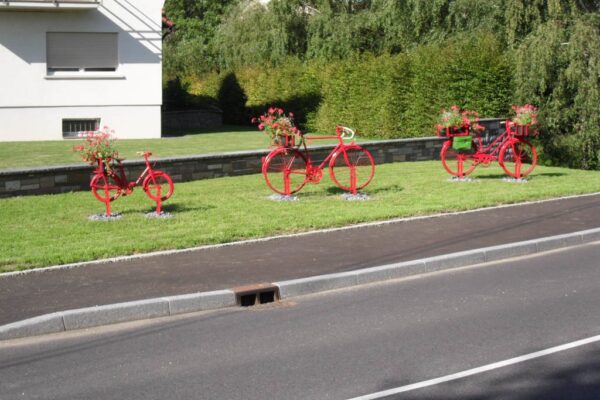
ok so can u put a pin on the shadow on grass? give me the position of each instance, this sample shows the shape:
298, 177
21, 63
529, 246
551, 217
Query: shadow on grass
530, 176
169, 207
367, 190
178, 207
551, 174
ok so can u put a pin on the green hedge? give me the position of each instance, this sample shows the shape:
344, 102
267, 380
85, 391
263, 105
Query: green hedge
390, 96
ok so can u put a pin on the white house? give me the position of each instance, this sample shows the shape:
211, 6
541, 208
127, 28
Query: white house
75, 65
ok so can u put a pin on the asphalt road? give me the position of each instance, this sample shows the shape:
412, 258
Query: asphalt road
344, 344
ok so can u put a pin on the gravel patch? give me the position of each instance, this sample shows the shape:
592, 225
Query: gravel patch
154, 214
514, 180
355, 197
464, 179
104, 217
281, 197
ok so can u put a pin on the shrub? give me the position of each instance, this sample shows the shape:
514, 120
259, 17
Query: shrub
389, 96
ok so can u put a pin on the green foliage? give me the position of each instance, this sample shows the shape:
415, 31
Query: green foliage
365, 93
558, 68
387, 67
255, 34
385, 96
191, 48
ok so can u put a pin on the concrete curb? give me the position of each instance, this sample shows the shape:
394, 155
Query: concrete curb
115, 313
172, 305
304, 286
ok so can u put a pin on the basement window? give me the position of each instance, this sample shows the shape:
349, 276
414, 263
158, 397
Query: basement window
71, 128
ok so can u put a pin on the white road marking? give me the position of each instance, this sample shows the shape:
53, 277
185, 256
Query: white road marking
478, 370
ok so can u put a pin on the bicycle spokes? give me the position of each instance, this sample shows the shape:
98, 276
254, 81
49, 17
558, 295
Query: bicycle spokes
352, 168
517, 158
459, 163
106, 188
284, 171
158, 186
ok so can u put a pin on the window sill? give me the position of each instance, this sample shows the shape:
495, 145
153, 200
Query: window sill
84, 76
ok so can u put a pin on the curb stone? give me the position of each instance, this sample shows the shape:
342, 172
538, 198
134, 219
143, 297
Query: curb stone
114, 313
187, 303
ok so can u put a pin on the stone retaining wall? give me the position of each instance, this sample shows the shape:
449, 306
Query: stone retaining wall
68, 178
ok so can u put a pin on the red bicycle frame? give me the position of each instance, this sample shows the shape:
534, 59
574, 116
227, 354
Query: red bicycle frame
350, 166
510, 149
107, 185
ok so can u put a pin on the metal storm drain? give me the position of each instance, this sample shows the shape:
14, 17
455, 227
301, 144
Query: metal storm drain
251, 295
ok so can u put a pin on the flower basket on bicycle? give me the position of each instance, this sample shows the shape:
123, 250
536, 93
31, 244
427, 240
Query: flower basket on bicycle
280, 128
525, 117
458, 126
98, 147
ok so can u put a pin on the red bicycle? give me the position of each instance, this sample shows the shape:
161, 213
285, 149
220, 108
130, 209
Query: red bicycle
107, 185
287, 169
462, 153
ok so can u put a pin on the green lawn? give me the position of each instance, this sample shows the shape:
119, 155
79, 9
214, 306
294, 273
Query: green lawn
54, 229
59, 152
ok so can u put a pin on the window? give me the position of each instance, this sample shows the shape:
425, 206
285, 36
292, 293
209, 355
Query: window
72, 127
81, 52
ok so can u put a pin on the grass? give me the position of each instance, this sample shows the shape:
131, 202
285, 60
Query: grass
14, 155
47, 230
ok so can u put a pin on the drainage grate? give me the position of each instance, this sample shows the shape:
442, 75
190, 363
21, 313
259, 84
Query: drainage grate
250, 295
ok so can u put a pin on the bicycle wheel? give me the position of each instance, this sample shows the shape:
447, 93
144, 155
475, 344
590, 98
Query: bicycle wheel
285, 171
517, 158
352, 164
158, 185
106, 187
458, 162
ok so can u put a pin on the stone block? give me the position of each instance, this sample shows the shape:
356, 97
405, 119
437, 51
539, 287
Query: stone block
213, 167
61, 178
50, 323
32, 186
299, 287
12, 185
114, 313
46, 182
201, 301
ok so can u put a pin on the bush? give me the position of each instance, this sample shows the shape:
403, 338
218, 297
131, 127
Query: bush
558, 68
389, 96
366, 93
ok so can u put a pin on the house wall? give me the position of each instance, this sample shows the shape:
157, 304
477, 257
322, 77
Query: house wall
33, 104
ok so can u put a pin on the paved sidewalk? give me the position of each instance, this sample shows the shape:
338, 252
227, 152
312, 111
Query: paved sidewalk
29, 295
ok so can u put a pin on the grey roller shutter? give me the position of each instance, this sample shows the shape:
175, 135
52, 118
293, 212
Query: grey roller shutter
82, 50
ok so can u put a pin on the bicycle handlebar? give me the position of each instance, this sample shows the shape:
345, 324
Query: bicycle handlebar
143, 153
343, 131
